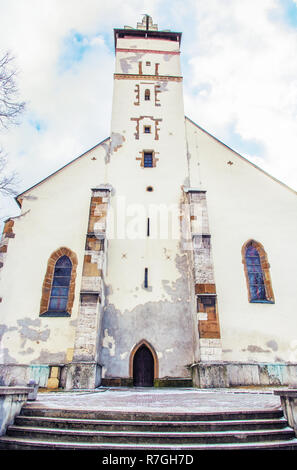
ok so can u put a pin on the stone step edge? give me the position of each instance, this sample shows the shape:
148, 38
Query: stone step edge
109, 446
282, 420
78, 432
28, 410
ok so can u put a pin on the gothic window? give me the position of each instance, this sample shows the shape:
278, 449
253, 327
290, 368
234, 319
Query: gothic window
59, 284
147, 95
257, 273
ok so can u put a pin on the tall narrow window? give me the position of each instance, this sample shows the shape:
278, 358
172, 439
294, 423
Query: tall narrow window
145, 277
257, 273
148, 159
147, 95
148, 227
60, 286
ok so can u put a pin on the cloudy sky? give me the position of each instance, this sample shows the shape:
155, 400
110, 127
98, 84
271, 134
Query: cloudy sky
239, 61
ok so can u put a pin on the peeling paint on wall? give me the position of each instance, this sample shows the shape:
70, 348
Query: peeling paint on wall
109, 343
126, 63
272, 344
28, 332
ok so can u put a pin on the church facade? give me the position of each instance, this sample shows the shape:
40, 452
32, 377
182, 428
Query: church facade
158, 257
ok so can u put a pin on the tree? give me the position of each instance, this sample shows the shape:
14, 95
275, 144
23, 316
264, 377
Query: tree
10, 110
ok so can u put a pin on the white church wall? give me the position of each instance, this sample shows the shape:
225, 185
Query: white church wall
245, 203
54, 214
162, 314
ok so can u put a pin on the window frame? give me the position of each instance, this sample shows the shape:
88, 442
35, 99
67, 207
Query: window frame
265, 271
49, 280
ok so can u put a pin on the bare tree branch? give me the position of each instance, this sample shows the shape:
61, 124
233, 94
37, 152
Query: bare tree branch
8, 180
10, 108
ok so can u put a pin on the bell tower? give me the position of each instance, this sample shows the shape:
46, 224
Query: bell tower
149, 296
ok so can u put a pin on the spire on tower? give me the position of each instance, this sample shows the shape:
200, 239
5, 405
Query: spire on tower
147, 24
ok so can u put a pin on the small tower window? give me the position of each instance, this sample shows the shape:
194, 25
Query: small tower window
147, 95
145, 277
147, 129
148, 159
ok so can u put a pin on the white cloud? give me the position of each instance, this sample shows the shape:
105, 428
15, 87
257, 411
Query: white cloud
241, 76
244, 72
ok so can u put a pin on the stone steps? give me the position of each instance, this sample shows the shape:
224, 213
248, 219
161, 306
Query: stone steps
154, 426
38, 428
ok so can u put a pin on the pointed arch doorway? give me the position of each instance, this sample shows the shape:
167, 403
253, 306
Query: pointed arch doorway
143, 365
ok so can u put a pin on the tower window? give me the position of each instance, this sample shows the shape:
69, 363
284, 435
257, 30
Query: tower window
148, 159
148, 227
145, 277
147, 95
147, 129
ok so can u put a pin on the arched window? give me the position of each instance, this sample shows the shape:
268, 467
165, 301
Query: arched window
257, 273
147, 95
59, 284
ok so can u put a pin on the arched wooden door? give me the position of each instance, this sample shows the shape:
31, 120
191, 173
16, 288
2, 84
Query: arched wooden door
143, 367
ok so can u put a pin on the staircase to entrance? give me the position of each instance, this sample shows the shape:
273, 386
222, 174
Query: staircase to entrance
50, 429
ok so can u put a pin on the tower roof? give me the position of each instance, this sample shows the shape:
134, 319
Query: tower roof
146, 29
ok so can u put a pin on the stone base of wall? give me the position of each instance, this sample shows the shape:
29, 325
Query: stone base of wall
164, 382
20, 374
289, 405
117, 382
83, 375
11, 401
228, 374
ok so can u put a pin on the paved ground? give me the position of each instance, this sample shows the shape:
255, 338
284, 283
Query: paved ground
152, 399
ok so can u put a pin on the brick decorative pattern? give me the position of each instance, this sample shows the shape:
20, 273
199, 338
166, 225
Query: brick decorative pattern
163, 78
49, 275
137, 95
155, 120
148, 51
6, 235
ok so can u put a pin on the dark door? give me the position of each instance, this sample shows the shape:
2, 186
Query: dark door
143, 368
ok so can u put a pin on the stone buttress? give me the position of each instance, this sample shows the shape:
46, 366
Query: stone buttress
85, 370
205, 288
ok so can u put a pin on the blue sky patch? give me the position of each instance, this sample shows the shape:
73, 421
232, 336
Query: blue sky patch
74, 47
244, 147
38, 125
290, 9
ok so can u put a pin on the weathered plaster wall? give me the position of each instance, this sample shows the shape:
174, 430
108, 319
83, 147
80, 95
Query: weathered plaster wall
56, 214
244, 203
163, 313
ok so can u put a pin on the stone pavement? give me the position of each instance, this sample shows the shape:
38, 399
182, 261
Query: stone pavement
161, 399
